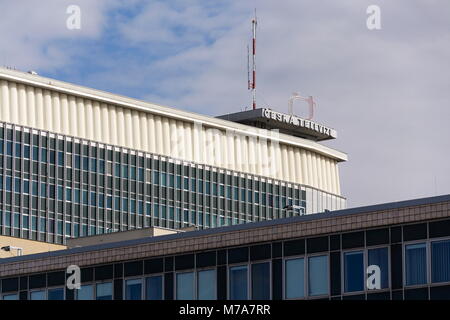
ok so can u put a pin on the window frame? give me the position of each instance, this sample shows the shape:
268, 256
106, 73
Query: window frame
145, 277
365, 262
381, 246
427, 263
319, 254
215, 281
124, 283
102, 282
37, 290
11, 294
94, 291
250, 275
56, 287
229, 266
305, 277
430, 263
194, 281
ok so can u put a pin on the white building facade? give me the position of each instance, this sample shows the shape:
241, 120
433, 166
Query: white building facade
77, 161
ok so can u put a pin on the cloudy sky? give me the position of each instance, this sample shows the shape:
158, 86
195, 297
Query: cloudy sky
387, 92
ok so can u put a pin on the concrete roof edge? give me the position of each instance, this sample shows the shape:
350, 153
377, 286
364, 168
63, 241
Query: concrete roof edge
144, 106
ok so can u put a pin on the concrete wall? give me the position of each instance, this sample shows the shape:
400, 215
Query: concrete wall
28, 246
118, 236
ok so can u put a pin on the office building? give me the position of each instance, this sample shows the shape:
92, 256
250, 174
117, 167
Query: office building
78, 162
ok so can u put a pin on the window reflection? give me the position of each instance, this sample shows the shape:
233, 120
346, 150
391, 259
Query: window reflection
416, 264
440, 261
379, 257
104, 291
354, 271
206, 284
133, 289
238, 283
154, 288
37, 295
185, 286
318, 275
86, 292
295, 278
56, 294
261, 281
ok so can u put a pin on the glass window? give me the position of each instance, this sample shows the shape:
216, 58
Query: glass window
25, 222
35, 188
206, 284
16, 220
56, 294
133, 289
17, 185
35, 153
295, 278
318, 275
379, 257
154, 288
18, 151
125, 171
354, 271
141, 175
60, 158
86, 292
104, 291
26, 186
261, 281
8, 183
238, 283
440, 261
11, 297
37, 295
185, 286
416, 264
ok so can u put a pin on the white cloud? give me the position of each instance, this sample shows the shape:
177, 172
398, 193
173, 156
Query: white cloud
163, 22
32, 32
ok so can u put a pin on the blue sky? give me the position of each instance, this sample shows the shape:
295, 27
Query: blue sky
384, 91
136, 37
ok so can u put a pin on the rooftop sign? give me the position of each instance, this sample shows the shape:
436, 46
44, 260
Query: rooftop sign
298, 122
286, 123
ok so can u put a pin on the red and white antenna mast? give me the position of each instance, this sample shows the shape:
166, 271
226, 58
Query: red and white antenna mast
252, 84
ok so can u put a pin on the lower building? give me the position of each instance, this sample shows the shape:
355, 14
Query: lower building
397, 251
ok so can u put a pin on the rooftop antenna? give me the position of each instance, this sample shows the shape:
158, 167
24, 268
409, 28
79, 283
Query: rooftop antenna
248, 68
252, 84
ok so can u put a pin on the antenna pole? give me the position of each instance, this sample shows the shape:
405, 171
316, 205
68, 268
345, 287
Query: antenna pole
248, 69
253, 86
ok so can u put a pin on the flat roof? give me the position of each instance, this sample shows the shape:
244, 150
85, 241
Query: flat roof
240, 227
